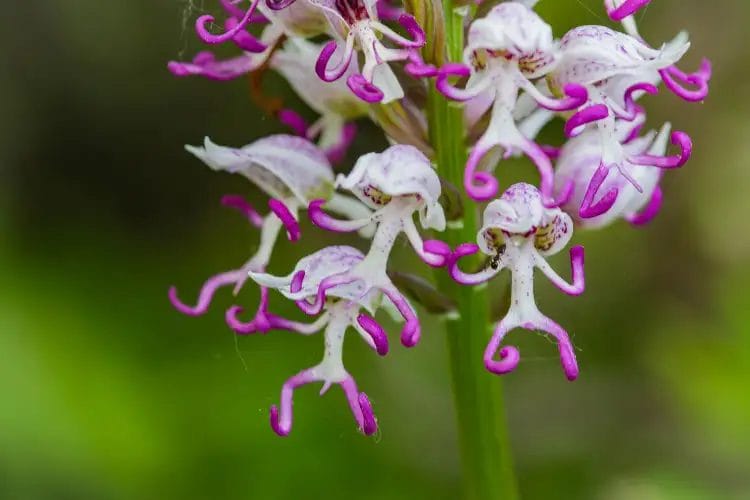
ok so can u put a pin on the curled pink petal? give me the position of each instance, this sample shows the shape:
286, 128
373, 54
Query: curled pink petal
287, 218
242, 205
438, 252
375, 331
411, 331
679, 139
479, 185
575, 96
632, 108
324, 221
416, 32
583, 117
208, 37
627, 8
363, 89
588, 207
321, 65
577, 270
294, 121
316, 306
245, 40
417, 68
509, 358
677, 81
369, 422
649, 212
206, 293
443, 85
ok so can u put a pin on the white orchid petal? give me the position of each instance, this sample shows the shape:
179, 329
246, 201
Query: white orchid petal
278, 164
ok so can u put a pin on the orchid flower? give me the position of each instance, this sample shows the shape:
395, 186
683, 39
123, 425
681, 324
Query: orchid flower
357, 28
616, 69
580, 162
505, 51
518, 232
395, 184
341, 311
292, 171
692, 87
302, 20
333, 101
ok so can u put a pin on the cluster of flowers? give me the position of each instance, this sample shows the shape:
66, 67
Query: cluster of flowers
515, 79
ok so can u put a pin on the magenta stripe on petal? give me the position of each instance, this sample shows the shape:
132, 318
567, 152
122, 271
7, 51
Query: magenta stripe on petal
290, 223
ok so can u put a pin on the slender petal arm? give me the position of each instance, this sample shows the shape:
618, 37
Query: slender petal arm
576, 264
433, 252
468, 278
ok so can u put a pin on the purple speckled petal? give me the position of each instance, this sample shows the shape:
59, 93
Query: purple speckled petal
369, 422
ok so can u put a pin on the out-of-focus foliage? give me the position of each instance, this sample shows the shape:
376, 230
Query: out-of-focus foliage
106, 392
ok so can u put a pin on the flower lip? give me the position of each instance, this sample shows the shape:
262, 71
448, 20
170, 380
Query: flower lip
281, 165
399, 171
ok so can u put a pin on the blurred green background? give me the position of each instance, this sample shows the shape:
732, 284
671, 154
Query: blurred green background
107, 392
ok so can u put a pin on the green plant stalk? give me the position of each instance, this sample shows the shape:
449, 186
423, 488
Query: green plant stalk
483, 437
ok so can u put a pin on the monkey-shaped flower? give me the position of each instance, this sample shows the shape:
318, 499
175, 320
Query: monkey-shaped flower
505, 51
341, 310
396, 184
518, 233
292, 171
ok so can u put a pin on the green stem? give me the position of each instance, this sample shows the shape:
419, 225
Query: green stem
480, 411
